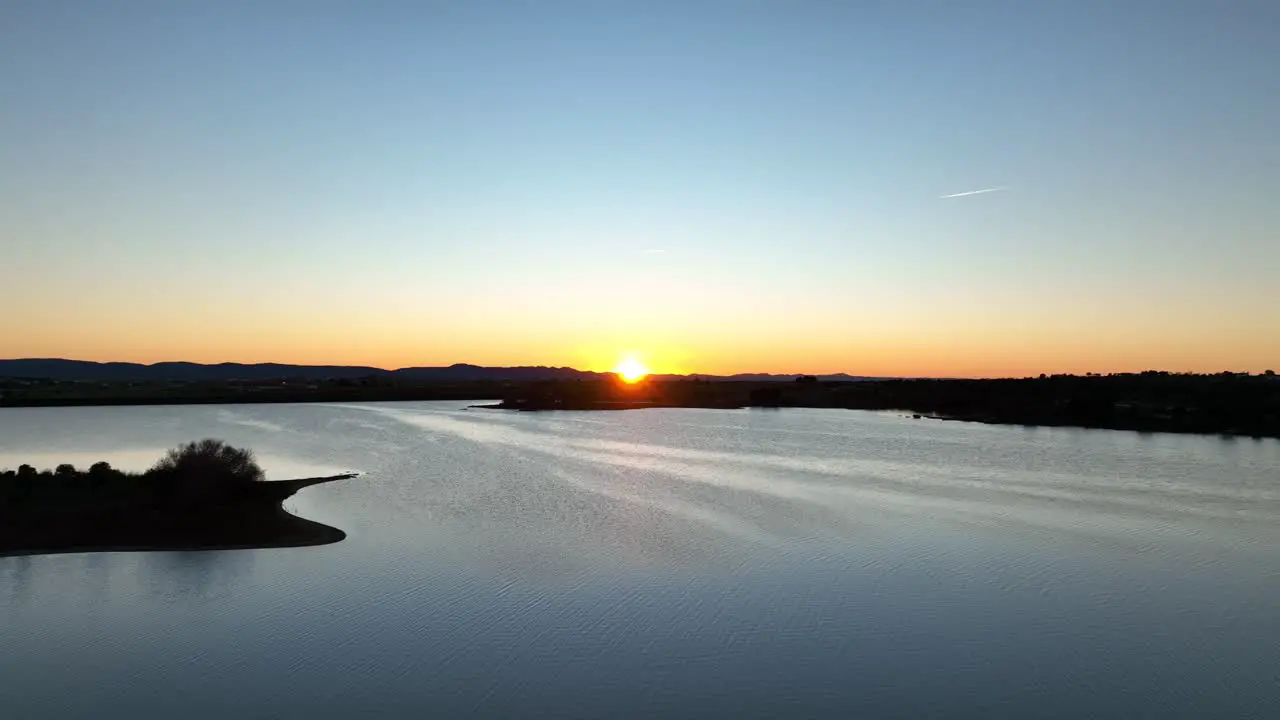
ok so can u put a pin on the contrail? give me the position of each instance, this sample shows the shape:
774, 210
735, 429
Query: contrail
974, 192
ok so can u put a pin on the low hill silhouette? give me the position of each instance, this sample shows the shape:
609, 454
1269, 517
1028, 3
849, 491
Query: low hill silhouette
89, 371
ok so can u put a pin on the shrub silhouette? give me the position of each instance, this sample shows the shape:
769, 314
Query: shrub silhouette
207, 467
212, 458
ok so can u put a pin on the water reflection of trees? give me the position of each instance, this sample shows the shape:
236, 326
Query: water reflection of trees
195, 574
15, 580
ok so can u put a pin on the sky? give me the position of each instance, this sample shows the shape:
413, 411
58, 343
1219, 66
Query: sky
711, 186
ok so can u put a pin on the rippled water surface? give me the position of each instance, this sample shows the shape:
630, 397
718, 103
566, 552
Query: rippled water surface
678, 563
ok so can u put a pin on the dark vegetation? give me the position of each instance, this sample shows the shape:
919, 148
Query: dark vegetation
613, 394
26, 392
1226, 403
201, 495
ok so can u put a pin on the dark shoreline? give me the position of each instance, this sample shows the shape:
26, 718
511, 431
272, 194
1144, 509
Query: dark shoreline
319, 535
1226, 404
1143, 429
255, 519
1232, 404
53, 393
905, 411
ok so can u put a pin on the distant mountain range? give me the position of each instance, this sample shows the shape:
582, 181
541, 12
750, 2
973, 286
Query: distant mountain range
83, 370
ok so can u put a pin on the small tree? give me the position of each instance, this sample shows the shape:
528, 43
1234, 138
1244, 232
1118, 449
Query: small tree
100, 468
206, 470
212, 459
65, 471
27, 472
1269, 373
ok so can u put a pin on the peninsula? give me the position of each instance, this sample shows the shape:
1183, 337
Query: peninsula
204, 495
1235, 404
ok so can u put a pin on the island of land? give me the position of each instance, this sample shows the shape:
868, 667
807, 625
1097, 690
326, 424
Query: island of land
204, 495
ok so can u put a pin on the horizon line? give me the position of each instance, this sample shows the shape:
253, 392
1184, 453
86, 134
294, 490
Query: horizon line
415, 367
611, 372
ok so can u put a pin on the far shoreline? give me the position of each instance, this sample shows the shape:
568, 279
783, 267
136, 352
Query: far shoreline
904, 412
1225, 404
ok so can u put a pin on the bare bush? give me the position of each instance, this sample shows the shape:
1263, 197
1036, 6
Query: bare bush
210, 462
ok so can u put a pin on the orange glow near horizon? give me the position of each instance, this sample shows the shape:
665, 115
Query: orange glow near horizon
631, 370
986, 358
390, 343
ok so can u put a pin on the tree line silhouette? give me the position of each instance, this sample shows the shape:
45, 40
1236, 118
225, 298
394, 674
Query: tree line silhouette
200, 471
1223, 403
202, 494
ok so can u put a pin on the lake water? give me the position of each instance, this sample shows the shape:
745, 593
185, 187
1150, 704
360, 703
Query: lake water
675, 563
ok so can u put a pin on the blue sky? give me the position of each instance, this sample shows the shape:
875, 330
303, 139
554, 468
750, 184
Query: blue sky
723, 185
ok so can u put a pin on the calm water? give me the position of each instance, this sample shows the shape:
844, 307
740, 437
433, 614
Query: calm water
681, 563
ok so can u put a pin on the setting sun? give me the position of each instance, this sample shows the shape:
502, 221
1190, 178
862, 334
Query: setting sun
631, 370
